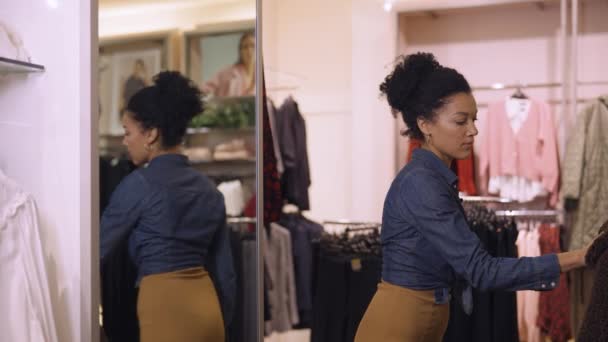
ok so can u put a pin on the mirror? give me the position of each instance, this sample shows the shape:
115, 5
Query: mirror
177, 154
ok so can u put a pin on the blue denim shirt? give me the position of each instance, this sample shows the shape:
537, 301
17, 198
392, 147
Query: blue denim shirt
174, 218
427, 243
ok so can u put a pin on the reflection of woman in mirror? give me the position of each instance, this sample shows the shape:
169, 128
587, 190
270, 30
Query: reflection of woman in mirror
174, 220
239, 78
429, 250
136, 81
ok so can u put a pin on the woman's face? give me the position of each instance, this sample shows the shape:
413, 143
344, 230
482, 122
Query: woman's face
136, 139
248, 50
452, 132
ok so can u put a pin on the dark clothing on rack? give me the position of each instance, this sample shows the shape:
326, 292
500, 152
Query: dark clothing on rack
303, 233
342, 295
346, 274
494, 316
111, 172
291, 129
119, 296
118, 274
554, 306
170, 199
273, 195
428, 244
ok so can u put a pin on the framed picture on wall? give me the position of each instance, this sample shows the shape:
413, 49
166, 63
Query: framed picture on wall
125, 66
221, 59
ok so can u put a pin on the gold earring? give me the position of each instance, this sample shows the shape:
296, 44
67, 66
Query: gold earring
147, 147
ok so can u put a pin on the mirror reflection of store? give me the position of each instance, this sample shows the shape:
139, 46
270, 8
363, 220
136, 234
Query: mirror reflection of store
218, 147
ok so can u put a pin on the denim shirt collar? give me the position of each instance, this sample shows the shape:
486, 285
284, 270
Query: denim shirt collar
172, 158
432, 161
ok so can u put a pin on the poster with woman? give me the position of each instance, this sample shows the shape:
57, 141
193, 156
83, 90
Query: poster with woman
223, 63
122, 74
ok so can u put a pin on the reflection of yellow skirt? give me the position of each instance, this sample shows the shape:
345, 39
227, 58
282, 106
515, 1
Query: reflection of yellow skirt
179, 306
397, 314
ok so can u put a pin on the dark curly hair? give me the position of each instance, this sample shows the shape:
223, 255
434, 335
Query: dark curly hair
418, 86
169, 105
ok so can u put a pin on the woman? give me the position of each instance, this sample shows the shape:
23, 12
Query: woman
174, 220
428, 247
237, 79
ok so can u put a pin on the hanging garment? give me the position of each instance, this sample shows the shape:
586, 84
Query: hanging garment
528, 301
518, 152
463, 168
595, 324
233, 197
346, 276
273, 193
585, 179
118, 274
554, 306
494, 316
291, 129
303, 232
282, 296
275, 141
25, 298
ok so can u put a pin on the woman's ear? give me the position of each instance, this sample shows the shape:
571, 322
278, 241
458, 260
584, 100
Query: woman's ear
152, 136
424, 125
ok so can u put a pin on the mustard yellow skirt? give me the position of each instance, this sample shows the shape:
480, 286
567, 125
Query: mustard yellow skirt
397, 314
179, 306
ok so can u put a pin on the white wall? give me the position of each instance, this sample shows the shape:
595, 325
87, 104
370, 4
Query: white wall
312, 39
338, 52
41, 136
374, 36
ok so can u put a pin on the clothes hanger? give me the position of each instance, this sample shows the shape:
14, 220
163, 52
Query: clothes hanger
519, 94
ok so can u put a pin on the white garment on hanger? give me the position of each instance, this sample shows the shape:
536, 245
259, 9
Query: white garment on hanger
233, 197
517, 112
516, 188
25, 305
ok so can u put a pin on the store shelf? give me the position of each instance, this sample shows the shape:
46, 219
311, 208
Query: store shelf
207, 130
12, 66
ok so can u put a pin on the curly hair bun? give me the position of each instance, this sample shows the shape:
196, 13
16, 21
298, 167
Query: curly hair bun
179, 95
401, 86
417, 87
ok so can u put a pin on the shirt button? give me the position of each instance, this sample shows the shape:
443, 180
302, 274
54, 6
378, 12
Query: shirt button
543, 286
552, 284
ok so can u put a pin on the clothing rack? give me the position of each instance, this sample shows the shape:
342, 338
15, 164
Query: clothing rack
529, 213
358, 224
501, 86
486, 199
358, 229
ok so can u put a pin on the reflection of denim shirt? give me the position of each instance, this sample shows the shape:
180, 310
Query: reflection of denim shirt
174, 218
427, 243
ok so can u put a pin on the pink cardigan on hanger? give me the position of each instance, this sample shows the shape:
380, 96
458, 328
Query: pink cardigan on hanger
530, 153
